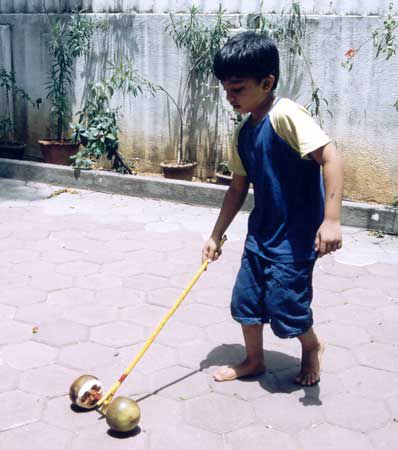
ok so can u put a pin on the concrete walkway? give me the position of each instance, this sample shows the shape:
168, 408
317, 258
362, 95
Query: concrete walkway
84, 279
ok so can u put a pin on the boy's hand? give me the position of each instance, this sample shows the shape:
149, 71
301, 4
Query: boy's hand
328, 238
211, 250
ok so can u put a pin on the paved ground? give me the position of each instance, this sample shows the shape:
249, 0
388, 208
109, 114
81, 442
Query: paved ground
85, 277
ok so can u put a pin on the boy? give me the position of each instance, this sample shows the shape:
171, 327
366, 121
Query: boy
279, 149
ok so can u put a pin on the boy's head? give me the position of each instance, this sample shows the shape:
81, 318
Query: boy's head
247, 62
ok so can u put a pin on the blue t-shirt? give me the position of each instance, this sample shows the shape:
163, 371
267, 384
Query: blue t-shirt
288, 189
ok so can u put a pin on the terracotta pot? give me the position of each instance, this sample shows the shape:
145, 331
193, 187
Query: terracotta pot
58, 152
12, 150
184, 171
223, 179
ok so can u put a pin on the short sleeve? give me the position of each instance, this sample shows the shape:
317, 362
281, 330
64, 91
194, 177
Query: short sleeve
295, 126
235, 163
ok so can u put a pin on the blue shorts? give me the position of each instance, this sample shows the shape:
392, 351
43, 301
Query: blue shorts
275, 293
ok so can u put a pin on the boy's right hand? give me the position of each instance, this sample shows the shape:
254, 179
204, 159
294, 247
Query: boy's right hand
211, 250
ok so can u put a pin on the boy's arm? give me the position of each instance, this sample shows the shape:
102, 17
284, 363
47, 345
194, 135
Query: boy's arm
329, 235
232, 203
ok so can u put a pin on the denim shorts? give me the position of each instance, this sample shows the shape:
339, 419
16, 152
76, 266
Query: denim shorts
276, 293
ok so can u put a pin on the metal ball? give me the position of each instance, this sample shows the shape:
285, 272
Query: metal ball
123, 414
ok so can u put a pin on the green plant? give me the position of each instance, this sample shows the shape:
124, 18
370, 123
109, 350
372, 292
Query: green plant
200, 92
289, 30
97, 129
67, 40
9, 86
384, 41
223, 168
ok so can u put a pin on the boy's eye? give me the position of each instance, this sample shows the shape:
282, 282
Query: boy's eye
237, 90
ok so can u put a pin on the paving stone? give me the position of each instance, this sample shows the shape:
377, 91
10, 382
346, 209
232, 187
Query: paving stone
77, 268
12, 332
323, 297
61, 332
17, 409
218, 413
71, 297
336, 359
166, 297
214, 297
157, 357
146, 314
177, 333
136, 383
386, 438
355, 314
201, 315
343, 335
183, 437
9, 378
373, 297
202, 355
369, 382
330, 437
28, 355
6, 312
356, 413
392, 403
159, 411
86, 356
284, 412
98, 282
117, 334
389, 313
378, 356
51, 281
38, 313
179, 383
382, 270
145, 282
383, 332
49, 381
251, 438
21, 255
332, 283
22, 296
92, 314
121, 297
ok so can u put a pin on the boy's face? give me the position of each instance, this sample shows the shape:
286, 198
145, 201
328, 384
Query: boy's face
247, 95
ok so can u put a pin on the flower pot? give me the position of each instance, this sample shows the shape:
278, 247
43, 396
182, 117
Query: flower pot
12, 150
58, 152
182, 171
223, 179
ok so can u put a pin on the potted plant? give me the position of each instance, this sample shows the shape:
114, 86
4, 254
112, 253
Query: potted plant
97, 129
9, 147
223, 174
200, 96
67, 41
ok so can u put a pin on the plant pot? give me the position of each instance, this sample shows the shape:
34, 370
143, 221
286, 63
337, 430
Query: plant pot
58, 152
12, 150
223, 179
182, 171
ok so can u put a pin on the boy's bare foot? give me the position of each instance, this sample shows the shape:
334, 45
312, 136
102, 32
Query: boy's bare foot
245, 369
311, 362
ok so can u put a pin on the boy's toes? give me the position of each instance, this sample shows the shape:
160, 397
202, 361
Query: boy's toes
308, 379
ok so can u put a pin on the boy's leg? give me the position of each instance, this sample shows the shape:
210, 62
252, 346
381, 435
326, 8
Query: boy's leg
254, 362
311, 359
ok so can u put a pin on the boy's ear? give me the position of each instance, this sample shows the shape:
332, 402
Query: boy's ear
268, 82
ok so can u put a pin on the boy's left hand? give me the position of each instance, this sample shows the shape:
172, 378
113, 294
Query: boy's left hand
328, 237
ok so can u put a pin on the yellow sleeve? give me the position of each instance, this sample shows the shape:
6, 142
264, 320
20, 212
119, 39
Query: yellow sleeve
235, 164
295, 126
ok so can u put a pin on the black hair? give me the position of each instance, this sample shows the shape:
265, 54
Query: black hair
247, 55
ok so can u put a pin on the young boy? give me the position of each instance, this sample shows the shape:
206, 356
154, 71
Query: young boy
279, 149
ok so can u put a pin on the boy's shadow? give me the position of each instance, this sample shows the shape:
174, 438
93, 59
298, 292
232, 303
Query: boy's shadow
279, 378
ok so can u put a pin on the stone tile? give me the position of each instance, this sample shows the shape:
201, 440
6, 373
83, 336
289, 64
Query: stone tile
369, 382
177, 333
9, 378
98, 282
6, 312
382, 270
389, 313
214, 297
332, 283
77, 268
166, 297
22, 296
159, 411
92, 314
373, 297
392, 403
330, 437
343, 335
86, 356
145, 282
386, 332
225, 332
117, 334
121, 297
61, 332
284, 412
336, 359
136, 384
386, 438
38, 313
21, 255
28, 355
252, 436
356, 413
17, 409
201, 355
51, 281
145, 315
71, 297
324, 298
218, 413
49, 381
12, 332
156, 357
179, 383
378, 356
201, 315
183, 437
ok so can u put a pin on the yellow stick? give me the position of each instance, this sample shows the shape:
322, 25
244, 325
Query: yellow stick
107, 398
